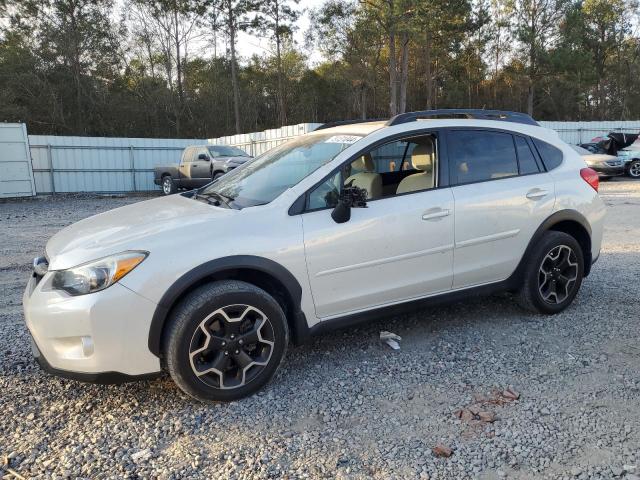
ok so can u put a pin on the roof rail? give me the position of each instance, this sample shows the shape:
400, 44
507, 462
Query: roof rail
500, 115
348, 122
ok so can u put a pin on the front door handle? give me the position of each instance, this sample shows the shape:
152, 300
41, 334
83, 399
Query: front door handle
536, 193
435, 213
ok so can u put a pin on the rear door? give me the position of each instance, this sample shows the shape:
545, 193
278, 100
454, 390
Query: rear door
502, 194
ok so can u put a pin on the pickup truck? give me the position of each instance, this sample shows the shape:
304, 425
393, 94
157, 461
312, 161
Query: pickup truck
199, 165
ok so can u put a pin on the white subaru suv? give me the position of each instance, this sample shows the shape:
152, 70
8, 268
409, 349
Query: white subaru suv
327, 229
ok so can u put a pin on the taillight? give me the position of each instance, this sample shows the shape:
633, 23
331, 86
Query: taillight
590, 176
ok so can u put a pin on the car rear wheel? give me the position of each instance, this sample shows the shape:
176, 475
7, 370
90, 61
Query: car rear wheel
168, 185
634, 169
226, 340
553, 275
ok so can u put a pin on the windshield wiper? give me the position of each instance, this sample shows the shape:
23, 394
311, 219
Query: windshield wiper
219, 198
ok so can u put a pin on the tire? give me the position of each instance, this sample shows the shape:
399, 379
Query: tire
217, 175
537, 292
168, 185
634, 169
230, 311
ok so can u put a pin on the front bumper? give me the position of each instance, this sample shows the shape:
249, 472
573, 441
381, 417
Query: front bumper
101, 337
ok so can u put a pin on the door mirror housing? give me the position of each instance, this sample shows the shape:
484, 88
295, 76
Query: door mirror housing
203, 156
350, 197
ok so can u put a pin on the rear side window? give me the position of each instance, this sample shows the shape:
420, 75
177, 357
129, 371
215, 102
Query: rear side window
526, 158
478, 156
551, 156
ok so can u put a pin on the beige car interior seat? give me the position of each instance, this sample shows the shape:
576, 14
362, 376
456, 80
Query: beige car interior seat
367, 178
422, 159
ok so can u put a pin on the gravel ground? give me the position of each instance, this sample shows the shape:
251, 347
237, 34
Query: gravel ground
347, 406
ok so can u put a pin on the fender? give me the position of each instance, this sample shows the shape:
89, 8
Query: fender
236, 262
560, 216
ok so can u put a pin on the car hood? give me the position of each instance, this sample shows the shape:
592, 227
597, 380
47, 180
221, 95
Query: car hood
235, 159
132, 227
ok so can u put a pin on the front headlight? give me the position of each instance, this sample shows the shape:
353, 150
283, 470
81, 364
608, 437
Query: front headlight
96, 275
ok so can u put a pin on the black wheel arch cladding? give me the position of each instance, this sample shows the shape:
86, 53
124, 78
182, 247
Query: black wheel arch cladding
239, 266
568, 221
236, 267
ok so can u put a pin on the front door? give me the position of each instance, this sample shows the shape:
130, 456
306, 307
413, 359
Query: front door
398, 248
201, 167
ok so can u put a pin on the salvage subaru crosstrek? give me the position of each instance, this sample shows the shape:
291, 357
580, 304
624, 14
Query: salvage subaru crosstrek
319, 232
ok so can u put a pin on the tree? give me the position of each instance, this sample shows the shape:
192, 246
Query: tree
74, 38
276, 19
388, 15
234, 15
536, 28
354, 47
169, 26
605, 24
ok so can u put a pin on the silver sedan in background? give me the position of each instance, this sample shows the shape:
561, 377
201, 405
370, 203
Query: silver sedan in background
606, 165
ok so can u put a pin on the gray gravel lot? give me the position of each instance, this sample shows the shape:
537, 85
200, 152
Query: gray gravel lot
346, 406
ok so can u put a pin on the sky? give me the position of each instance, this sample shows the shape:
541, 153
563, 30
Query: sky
249, 44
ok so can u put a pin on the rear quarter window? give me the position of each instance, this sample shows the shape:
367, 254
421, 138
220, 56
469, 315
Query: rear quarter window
550, 155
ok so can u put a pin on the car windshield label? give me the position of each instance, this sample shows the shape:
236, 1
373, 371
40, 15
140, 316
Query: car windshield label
343, 139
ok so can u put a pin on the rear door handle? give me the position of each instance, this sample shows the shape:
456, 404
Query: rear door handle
536, 193
435, 213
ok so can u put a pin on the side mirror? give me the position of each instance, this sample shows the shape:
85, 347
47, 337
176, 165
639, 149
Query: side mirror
350, 197
341, 213
203, 156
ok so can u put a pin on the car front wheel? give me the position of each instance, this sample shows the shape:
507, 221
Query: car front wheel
634, 169
225, 341
168, 185
553, 275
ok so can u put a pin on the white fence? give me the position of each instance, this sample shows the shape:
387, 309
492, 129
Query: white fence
583, 132
16, 177
259, 142
97, 164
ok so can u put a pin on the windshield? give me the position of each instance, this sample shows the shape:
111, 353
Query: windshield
261, 180
225, 151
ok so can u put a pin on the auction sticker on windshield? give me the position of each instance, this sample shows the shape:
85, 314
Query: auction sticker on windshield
343, 139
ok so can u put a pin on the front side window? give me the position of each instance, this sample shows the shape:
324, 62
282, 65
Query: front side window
404, 166
202, 151
261, 180
478, 156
